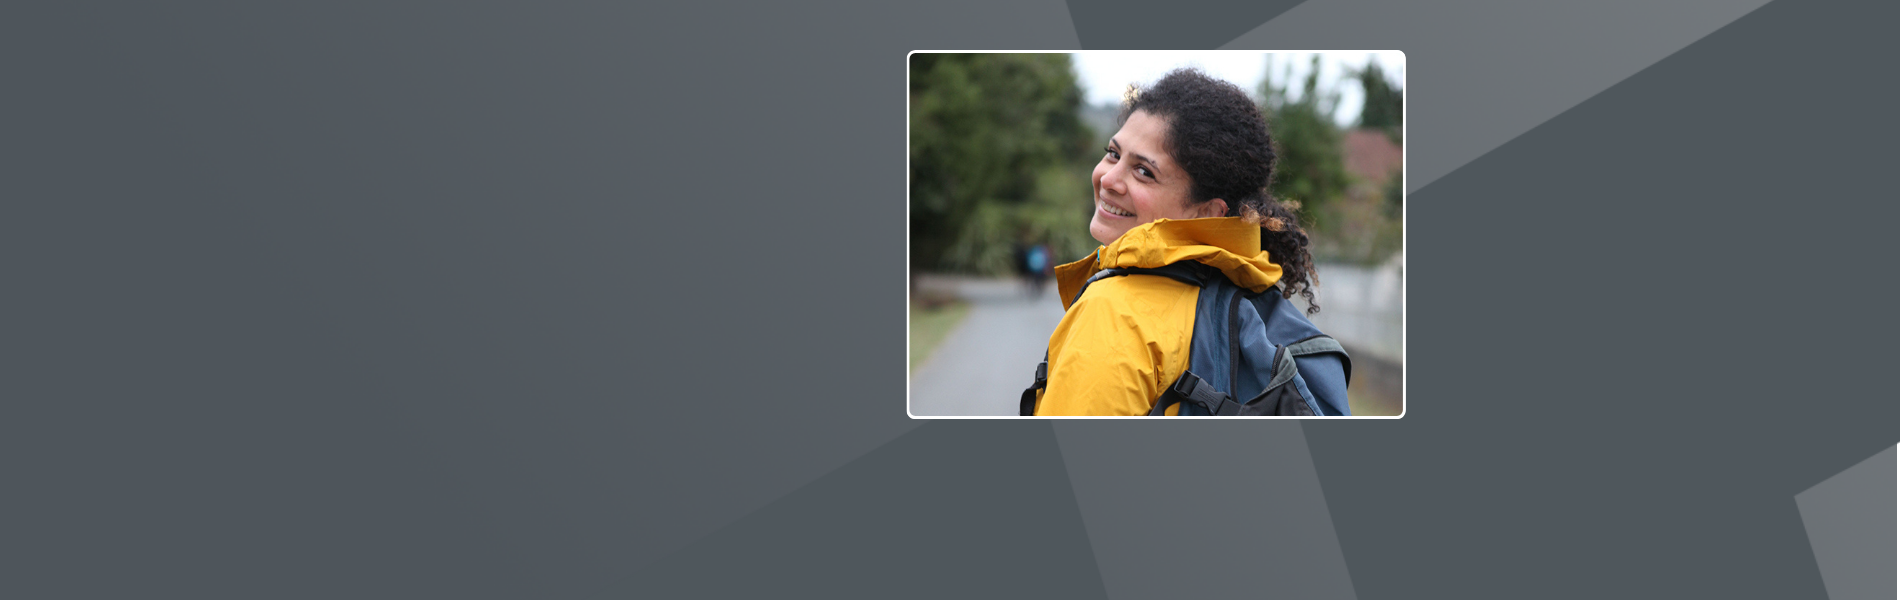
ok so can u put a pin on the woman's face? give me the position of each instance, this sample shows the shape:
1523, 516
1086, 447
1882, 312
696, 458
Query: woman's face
1137, 182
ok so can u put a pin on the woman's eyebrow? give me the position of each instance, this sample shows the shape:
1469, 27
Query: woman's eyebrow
1156, 175
1138, 156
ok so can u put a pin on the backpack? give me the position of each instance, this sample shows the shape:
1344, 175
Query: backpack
1250, 355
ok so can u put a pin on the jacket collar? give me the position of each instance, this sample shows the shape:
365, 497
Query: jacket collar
1225, 243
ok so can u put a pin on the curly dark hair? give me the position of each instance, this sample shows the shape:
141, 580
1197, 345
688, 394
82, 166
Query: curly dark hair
1217, 135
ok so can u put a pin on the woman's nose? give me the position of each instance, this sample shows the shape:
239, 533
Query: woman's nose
1115, 180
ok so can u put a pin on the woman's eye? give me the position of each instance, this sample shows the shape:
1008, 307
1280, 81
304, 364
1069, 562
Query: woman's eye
1111, 153
1145, 172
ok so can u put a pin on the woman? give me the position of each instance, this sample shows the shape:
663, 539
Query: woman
1183, 180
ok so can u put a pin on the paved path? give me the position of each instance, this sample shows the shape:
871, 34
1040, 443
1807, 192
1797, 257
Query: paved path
982, 367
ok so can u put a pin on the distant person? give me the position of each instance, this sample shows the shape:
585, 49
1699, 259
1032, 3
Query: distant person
1181, 188
1037, 265
1019, 259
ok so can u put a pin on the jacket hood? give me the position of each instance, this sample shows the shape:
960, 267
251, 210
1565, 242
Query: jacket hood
1225, 243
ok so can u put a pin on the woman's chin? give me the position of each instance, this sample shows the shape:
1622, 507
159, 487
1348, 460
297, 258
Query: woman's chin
1103, 233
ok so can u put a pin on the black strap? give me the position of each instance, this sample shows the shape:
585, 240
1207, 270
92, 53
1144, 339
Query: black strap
1028, 403
1190, 388
1188, 272
1182, 273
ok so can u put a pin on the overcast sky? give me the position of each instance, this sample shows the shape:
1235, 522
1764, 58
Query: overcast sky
1104, 74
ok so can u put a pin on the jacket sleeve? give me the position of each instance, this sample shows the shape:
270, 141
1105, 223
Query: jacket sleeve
1104, 360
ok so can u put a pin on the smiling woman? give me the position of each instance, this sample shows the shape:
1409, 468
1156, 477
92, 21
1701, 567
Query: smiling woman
1183, 310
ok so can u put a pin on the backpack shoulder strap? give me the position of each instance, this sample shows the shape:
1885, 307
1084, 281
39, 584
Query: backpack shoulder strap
1182, 272
1322, 344
1187, 273
1027, 405
1213, 346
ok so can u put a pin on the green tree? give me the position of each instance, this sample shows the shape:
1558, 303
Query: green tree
1385, 103
993, 138
1310, 168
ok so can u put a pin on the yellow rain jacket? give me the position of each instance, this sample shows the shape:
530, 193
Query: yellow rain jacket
1127, 340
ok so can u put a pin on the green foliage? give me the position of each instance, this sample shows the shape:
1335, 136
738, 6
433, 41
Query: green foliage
1385, 103
987, 134
1310, 169
1060, 214
1057, 214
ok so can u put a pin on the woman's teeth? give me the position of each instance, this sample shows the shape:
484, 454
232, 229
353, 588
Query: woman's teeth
1110, 209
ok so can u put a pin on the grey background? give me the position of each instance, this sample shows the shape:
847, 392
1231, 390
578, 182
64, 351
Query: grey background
1487, 71
1847, 518
590, 300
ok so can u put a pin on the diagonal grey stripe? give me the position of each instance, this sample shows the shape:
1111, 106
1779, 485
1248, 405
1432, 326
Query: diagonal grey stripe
930, 515
1850, 521
810, 421
1509, 67
1183, 25
693, 503
1203, 509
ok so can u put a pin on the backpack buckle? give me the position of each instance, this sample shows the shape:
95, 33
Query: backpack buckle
1215, 402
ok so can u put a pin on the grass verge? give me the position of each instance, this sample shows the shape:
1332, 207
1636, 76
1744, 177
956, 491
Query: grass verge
929, 323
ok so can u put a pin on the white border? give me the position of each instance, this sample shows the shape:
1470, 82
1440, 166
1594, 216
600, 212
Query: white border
1404, 220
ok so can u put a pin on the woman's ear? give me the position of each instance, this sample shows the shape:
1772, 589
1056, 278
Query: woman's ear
1214, 208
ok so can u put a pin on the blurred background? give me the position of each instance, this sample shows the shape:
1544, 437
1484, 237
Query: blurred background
1001, 146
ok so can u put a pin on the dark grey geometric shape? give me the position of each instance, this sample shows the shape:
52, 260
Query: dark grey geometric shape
821, 384
445, 301
1203, 509
1187, 25
1509, 67
1653, 319
954, 509
1851, 525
